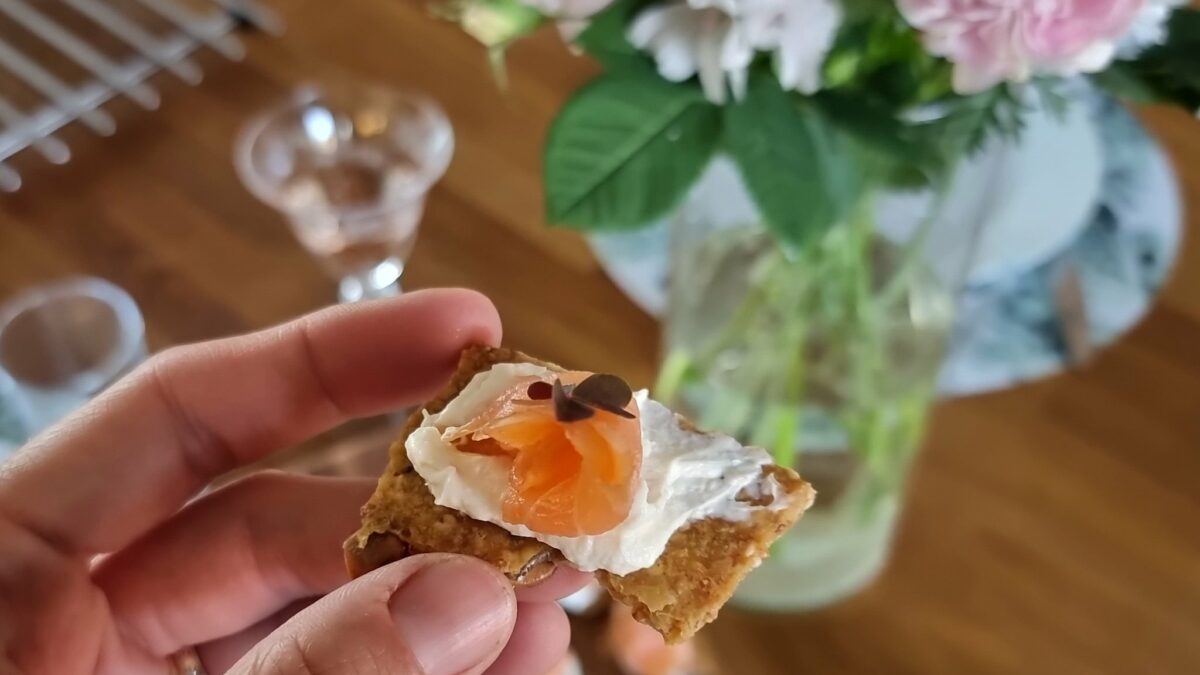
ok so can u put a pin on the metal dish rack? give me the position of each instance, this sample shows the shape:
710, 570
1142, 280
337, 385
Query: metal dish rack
159, 35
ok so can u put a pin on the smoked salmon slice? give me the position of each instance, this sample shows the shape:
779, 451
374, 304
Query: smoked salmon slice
574, 471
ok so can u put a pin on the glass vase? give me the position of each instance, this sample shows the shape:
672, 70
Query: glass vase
826, 356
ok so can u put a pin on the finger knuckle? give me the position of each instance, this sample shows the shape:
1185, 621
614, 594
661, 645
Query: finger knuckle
205, 453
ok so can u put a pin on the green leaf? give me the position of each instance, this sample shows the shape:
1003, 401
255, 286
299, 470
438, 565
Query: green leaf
894, 151
1051, 96
869, 121
1169, 72
967, 122
1183, 31
604, 38
878, 55
624, 150
799, 168
1123, 81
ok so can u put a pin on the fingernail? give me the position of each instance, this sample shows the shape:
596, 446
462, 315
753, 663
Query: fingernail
455, 615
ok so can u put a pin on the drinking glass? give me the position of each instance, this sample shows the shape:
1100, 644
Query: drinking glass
349, 165
60, 345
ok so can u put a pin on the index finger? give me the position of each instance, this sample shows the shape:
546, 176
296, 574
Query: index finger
134, 455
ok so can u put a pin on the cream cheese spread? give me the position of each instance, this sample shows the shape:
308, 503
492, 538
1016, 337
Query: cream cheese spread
685, 476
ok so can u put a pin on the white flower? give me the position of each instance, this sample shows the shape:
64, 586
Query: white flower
568, 9
717, 40
1149, 28
687, 42
800, 32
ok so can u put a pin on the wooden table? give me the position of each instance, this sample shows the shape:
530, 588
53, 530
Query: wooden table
1050, 529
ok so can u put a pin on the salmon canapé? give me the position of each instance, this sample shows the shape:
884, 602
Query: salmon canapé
575, 448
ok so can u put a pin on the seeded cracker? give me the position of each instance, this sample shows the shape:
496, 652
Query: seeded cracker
702, 564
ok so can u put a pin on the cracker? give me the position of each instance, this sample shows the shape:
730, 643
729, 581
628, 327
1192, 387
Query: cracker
677, 595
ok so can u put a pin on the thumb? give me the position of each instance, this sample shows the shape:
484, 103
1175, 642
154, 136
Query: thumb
425, 615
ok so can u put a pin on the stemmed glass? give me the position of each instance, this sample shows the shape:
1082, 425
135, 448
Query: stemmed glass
349, 165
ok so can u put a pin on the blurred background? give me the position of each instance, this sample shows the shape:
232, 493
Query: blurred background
1026, 314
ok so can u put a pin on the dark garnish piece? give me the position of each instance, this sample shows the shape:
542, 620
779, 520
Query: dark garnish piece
567, 409
574, 402
540, 391
606, 392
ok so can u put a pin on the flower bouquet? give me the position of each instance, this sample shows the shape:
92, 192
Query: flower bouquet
805, 323
840, 92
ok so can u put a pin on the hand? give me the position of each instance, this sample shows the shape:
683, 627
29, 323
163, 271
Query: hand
102, 571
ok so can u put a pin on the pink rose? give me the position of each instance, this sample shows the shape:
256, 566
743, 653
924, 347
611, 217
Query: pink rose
992, 41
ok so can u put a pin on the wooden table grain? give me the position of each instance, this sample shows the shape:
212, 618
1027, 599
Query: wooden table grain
1053, 528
